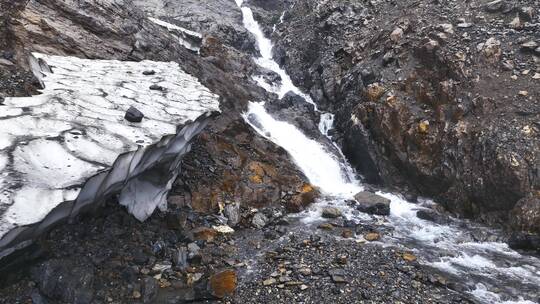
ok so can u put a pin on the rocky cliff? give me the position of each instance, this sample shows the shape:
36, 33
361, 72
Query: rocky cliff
439, 99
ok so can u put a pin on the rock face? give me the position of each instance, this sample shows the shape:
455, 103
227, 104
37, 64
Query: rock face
445, 110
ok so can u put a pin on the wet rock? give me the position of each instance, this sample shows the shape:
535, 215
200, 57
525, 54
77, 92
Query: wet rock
331, 212
134, 115
259, 220
524, 241
432, 216
66, 281
526, 214
372, 203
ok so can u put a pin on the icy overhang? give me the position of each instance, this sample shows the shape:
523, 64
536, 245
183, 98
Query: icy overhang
67, 149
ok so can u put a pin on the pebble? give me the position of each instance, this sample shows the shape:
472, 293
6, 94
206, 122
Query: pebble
396, 34
270, 281
409, 257
136, 294
347, 233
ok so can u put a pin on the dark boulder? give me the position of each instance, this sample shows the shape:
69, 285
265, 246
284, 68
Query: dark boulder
432, 216
65, 280
372, 203
133, 115
524, 241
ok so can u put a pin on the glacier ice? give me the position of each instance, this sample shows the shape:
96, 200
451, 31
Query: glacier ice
66, 150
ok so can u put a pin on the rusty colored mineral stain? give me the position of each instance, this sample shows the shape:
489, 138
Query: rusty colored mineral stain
223, 283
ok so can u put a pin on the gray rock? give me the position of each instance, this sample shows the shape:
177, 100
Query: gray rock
432, 216
259, 220
529, 45
5, 62
372, 203
66, 281
193, 249
232, 213
331, 212
179, 257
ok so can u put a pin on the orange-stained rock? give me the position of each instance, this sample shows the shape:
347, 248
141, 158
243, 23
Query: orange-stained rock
204, 233
223, 283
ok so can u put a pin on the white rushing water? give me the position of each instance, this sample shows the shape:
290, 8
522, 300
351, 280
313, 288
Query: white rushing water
492, 271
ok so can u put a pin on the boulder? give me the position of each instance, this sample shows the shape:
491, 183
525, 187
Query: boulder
66, 281
372, 203
331, 212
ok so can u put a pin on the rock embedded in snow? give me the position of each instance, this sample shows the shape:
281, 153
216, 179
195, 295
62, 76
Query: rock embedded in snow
372, 203
156, 87
134, 115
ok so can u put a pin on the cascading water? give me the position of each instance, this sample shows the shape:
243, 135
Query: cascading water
492, 272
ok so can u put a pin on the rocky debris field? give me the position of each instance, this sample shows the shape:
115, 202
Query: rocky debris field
438, 98
184, 256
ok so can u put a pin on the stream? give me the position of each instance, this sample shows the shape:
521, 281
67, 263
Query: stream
468, 253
